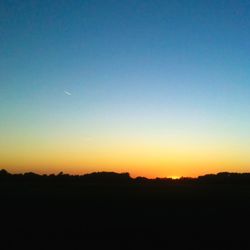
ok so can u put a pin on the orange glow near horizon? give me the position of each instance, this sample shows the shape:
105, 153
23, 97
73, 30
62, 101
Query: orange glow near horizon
145, 161
148, 155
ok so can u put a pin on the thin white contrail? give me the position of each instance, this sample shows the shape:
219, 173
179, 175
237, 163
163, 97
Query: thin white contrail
67, 93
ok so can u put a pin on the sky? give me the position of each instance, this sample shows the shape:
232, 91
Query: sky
149, 87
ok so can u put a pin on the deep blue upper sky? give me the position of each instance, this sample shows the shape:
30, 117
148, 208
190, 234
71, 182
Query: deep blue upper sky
131, 66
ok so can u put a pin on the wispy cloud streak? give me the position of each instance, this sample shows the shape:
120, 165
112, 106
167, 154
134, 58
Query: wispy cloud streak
67, 93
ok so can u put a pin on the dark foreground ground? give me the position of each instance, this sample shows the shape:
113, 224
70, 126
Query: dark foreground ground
112, 211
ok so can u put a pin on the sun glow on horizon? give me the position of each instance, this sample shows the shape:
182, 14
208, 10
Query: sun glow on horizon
174, 177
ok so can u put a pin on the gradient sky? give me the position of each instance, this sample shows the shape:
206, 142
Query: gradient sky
154, 88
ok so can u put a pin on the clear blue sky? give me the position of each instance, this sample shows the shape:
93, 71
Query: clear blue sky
150, 77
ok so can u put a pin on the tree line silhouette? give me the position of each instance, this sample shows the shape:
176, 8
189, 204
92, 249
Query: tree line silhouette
116, 178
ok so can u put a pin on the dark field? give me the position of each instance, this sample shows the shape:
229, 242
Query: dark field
114, 211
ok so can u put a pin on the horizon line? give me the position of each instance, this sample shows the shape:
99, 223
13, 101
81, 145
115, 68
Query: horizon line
60, 173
